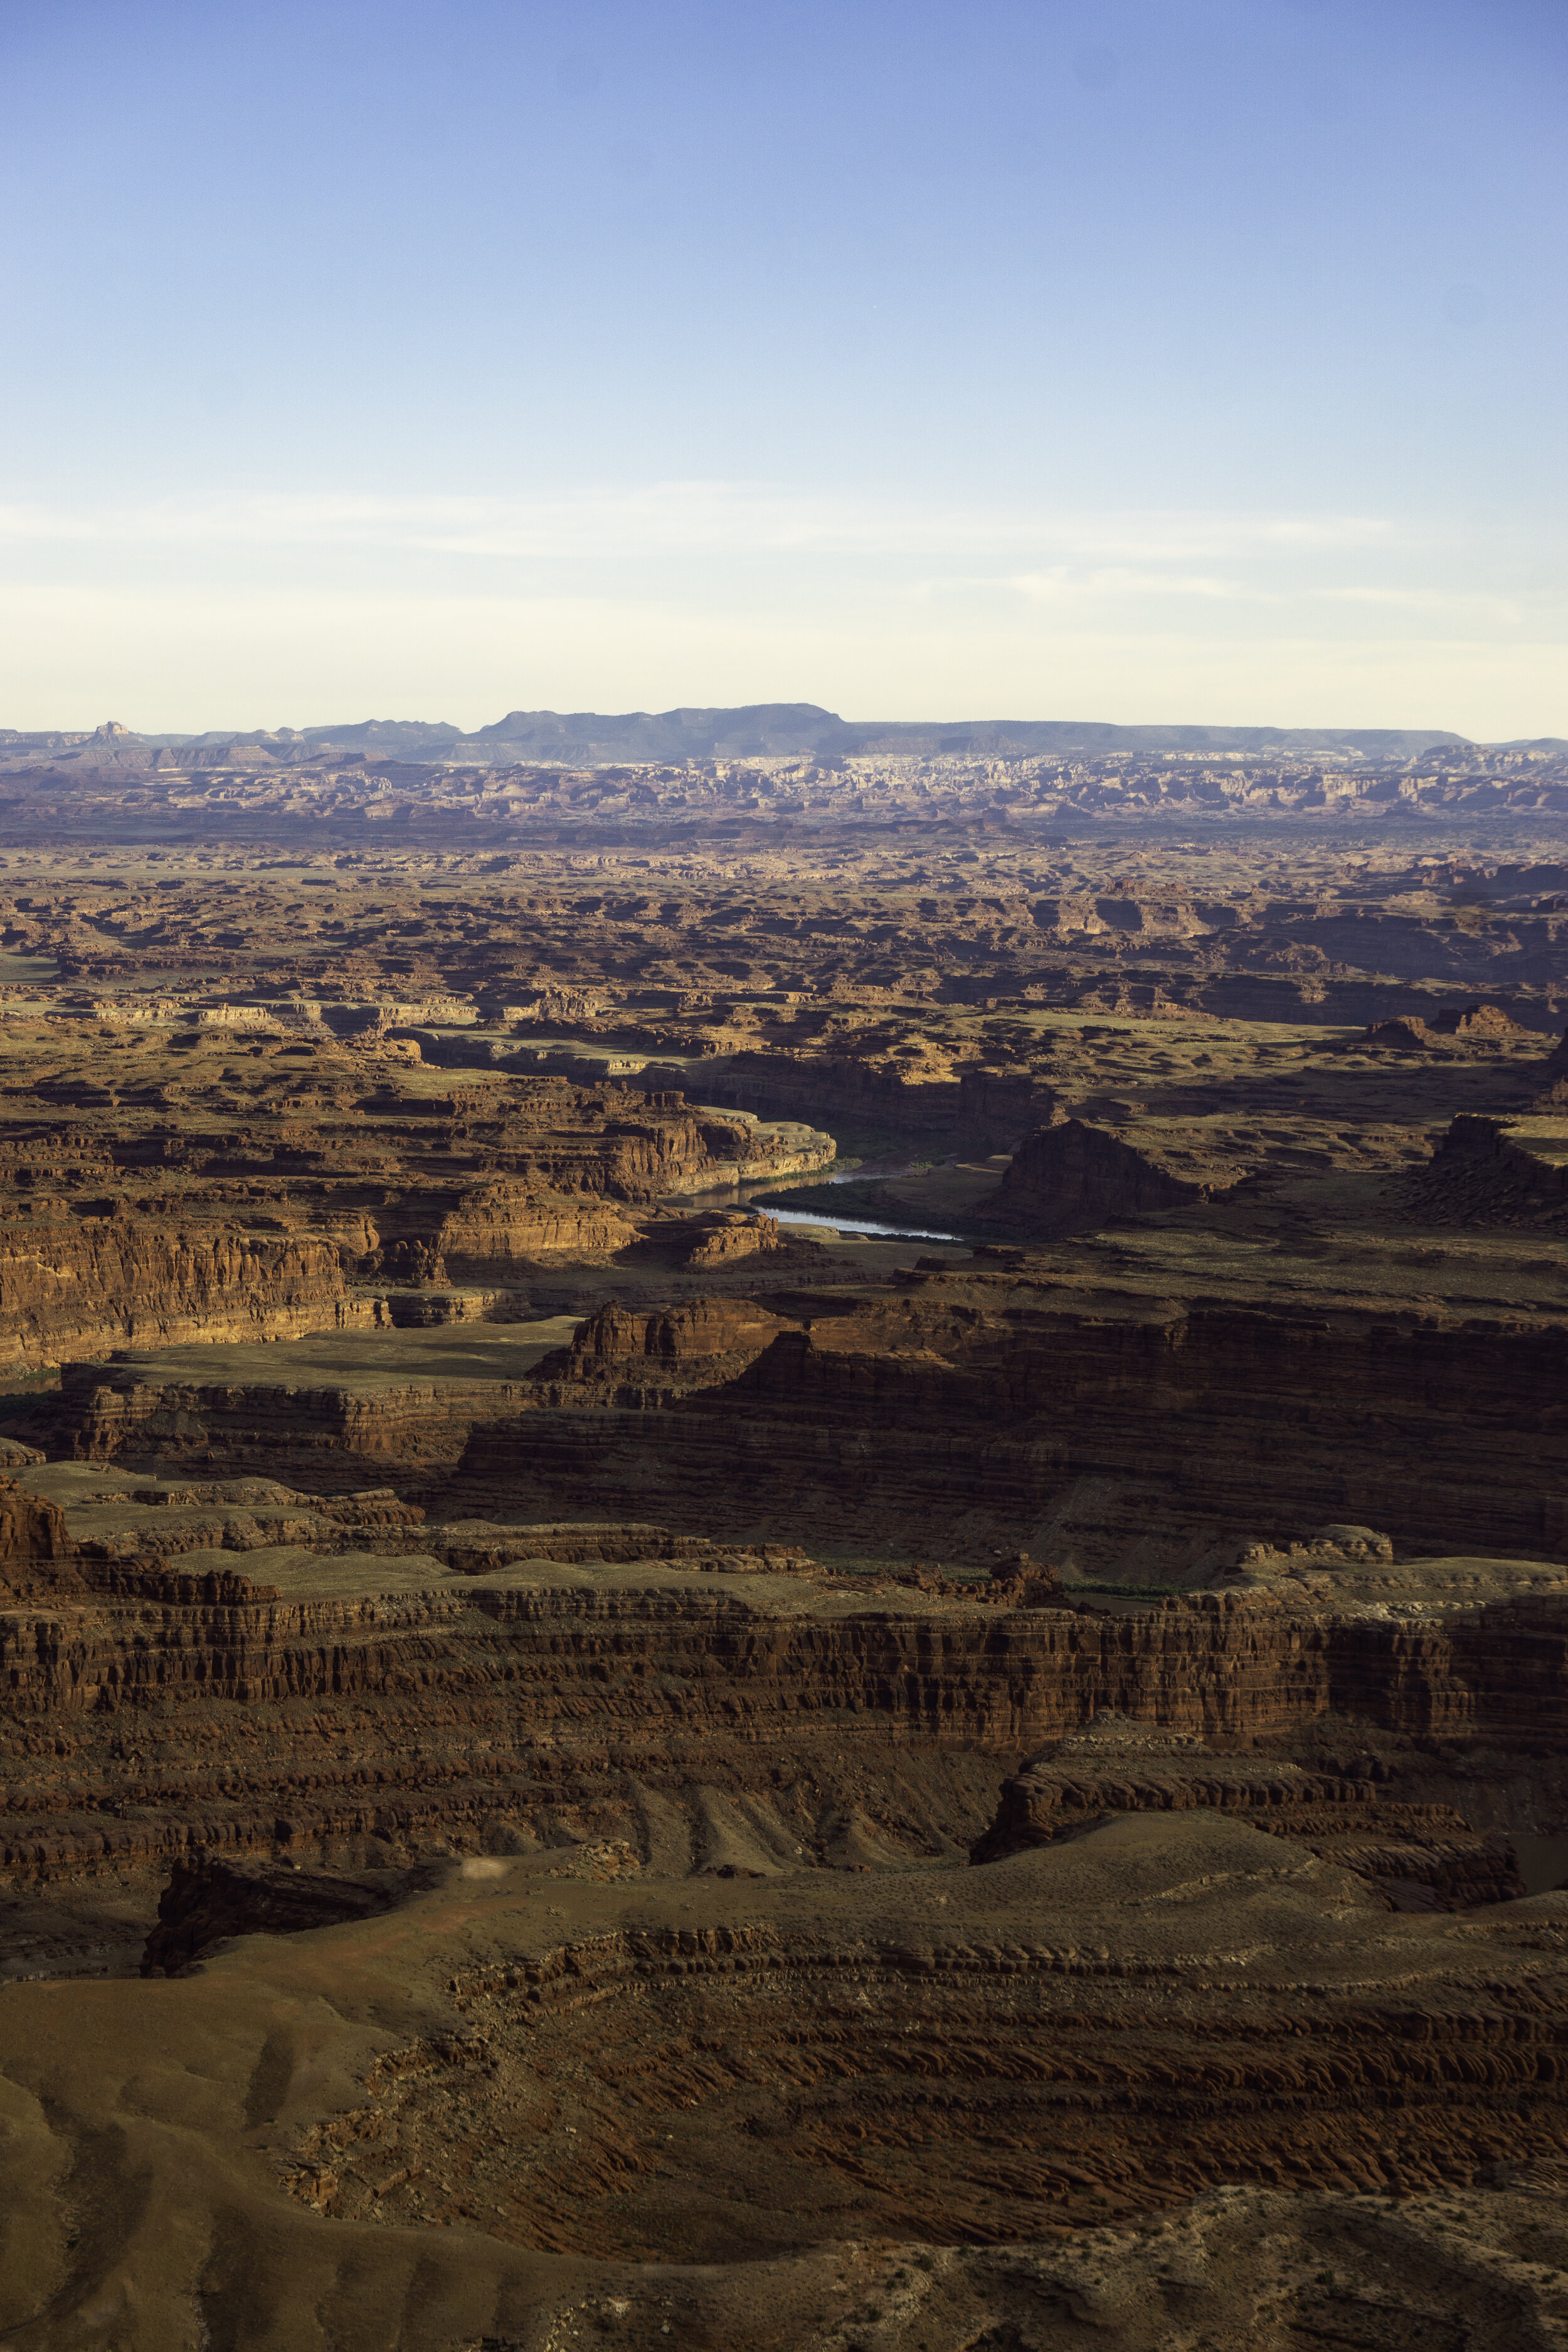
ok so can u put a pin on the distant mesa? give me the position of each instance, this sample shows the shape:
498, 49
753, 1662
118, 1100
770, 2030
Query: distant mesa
789, 729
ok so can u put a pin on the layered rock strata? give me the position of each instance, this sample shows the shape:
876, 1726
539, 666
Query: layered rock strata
1165, 2079
920, 1424
956, 1420
37, 1555
237, 1209
1417, 1857
1092, 2030
336, 1437
396, 1707
68, 1283
993, 1418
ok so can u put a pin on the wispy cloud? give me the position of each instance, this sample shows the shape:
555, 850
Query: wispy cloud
688, 517
1070, 583
1456, 601
183, 652
284, 606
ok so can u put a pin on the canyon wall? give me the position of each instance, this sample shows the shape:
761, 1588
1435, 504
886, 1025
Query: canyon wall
244, 1234
942, 1426
336, 1438
69, 1284
140, 1730
971, 1108
37, 1554
928, 1426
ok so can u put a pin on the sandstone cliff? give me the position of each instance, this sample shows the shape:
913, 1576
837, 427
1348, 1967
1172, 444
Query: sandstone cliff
950, 1422
69, 1284
1071, 1177
1144, 1437
147, 1729
1416, 1857
255, 1225
335, 1434
38, 1557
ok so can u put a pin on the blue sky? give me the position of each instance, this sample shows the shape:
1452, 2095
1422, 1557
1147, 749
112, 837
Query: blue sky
1192, 361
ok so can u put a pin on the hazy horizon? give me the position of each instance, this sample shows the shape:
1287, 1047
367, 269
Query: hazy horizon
329, 728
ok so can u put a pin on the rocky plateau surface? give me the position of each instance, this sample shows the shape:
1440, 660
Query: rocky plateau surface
838, 1468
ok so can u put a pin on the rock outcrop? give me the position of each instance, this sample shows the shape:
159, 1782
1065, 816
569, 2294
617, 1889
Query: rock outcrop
1415, 1858
724, 1237
1159, 2005
1071, 1177
632, 1356
1456, 1024
260, 1225
1488, 1171
526, 1695
69, 1284
945, 1428
338, 1436
37, 1556
206, 1902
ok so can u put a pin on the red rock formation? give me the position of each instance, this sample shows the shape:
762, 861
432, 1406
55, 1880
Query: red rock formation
409, 1187
339, 1439
704, 1343
69, 1284
905, 1425
1020, 1583
1494, 1171
1417, 1857
36, 1555
474, 1548
1405, 1033
1477, 1021
928, 1428
722, 1238
504, 1700
1071, 1177
1465, 1024
503, 1230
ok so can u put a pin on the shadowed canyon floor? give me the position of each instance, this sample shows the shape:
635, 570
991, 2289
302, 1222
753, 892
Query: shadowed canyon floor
592, 1752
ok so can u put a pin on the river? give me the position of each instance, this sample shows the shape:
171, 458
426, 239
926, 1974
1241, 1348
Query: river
741, 1196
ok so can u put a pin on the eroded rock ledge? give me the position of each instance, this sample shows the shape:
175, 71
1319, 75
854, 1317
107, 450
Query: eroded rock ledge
143, 1730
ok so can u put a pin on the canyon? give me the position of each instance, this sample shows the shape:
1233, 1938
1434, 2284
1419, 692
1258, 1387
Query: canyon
784, 1545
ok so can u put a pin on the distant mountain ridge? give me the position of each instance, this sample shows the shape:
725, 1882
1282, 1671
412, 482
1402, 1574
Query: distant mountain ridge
780, 730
